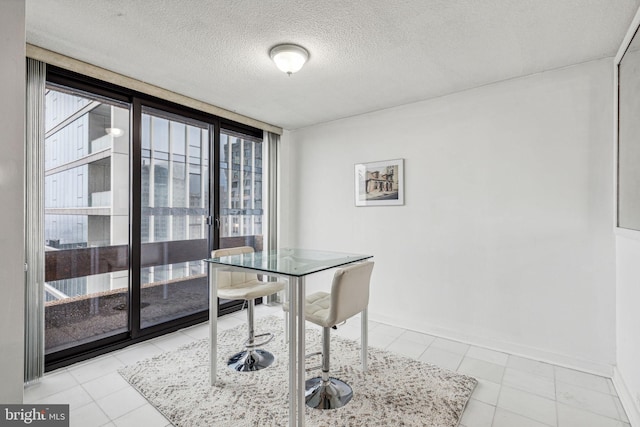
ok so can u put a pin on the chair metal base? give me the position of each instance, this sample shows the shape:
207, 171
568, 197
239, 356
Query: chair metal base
250, 360
332, 394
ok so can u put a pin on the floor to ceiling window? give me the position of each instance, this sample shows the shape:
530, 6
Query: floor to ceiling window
138, 191
175, 210
241, 211
86, 218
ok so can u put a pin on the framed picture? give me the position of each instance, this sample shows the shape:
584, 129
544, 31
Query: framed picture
380, 183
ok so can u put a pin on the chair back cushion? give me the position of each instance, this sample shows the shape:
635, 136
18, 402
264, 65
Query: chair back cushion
227, 279
350, 291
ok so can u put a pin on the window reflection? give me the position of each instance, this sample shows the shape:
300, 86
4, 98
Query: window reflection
174, 232
86, 221
241, 189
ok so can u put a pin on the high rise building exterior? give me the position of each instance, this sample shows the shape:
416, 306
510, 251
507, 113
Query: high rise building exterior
86, 183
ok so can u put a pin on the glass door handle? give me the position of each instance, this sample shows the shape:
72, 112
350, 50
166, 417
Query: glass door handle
210, 221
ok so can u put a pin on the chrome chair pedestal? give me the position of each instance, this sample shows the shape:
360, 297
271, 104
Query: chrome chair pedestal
330, 394
250, 360
326, 392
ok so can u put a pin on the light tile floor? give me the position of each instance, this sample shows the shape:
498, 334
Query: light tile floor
512, 391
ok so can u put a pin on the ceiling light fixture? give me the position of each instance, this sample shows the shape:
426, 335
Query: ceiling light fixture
116, 132
289, 58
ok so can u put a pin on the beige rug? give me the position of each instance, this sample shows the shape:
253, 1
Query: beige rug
395, 391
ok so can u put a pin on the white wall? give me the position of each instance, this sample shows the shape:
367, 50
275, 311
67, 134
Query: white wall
627, 378
505, 239
12, 105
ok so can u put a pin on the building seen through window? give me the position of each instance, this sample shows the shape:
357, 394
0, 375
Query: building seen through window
86, 208
89, 221
241, 210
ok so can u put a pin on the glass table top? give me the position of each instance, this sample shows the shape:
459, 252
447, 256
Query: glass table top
290, 262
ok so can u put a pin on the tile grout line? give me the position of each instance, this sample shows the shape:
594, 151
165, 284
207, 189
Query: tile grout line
92, 401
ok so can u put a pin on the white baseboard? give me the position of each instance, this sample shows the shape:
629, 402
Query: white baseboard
629, 404
592, 367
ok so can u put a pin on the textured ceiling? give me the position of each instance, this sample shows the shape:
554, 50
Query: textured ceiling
364, 55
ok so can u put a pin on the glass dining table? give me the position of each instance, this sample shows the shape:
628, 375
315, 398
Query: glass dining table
293, 265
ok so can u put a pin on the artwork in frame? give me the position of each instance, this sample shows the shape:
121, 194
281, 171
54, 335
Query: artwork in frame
380, 183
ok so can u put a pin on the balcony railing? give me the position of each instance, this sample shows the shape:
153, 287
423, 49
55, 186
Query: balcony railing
83, 318
81, 262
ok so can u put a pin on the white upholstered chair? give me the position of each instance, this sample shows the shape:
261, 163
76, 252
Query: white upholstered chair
349, 296
246, 286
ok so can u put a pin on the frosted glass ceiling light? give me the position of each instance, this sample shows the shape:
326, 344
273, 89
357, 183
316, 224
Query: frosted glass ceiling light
289, 58
114, 132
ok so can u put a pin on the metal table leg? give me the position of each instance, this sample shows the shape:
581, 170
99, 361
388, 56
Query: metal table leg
213, 323
292, 351
301, 349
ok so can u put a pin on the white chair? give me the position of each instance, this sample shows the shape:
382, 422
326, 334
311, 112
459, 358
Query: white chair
349, 296
246, 286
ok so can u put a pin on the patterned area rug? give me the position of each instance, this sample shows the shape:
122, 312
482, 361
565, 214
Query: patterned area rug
396, 390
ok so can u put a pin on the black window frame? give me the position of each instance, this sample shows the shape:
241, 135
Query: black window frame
137, 99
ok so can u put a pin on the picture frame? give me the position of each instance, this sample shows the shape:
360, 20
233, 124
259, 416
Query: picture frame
379, 183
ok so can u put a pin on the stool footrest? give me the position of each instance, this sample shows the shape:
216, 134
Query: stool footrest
249, 346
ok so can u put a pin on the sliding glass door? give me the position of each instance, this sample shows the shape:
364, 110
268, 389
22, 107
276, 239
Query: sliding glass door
138, 191
175, 216
241, 211
86, 218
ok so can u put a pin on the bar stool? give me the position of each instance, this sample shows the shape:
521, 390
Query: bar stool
349, 296
246, 286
